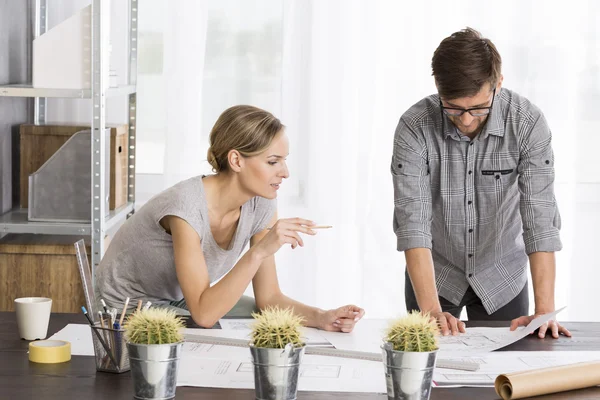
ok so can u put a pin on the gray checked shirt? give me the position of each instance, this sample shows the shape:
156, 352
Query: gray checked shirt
480, 205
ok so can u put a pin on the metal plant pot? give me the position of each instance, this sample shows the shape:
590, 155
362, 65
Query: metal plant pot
408, 374
154, 369
276, 372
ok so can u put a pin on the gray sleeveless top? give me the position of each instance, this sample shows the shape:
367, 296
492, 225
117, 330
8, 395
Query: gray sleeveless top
139, 262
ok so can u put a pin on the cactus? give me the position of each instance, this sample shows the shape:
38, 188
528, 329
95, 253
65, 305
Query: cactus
413, 332
154, 326
275, 328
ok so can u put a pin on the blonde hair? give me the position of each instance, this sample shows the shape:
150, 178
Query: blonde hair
246, 129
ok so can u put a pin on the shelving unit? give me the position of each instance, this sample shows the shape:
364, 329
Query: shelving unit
23, 90
15, 221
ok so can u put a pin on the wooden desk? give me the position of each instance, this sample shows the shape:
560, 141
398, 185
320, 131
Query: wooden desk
21, 379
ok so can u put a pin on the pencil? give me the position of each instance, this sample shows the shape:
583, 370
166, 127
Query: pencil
315, 227
124, 311
101, 319
102, 342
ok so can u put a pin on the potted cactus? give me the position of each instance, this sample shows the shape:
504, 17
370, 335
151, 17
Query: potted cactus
276, 348
409, 354
154, 342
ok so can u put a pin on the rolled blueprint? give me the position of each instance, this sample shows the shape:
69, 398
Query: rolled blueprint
548, 380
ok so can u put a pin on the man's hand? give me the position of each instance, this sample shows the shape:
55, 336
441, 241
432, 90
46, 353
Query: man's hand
341, 319
551, 325
448, 323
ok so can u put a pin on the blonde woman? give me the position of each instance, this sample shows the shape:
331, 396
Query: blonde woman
191, 235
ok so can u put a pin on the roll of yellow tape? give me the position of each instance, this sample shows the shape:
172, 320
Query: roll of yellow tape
49, 351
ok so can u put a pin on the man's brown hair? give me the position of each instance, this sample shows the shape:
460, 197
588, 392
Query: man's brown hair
463, 63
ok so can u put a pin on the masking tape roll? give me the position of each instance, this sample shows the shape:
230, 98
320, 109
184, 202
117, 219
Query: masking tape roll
49, 351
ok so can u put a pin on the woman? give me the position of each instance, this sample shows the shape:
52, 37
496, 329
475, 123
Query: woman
190, 236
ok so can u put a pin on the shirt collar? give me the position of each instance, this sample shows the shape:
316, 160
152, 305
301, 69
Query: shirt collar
494, 125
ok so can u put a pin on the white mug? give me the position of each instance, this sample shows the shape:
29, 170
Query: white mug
33, 315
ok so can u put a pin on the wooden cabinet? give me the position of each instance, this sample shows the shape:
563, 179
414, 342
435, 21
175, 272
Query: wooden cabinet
40, 266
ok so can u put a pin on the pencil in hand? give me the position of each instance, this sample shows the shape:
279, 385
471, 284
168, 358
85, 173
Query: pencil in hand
315, 227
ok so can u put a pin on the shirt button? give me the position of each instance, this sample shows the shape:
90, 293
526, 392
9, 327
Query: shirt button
497, 176
547, 161
399, 165
469, 202
470, 230
470, 172
470, 255
470, 275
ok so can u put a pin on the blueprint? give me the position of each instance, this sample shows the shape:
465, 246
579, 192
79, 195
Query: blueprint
368, 336
231, 367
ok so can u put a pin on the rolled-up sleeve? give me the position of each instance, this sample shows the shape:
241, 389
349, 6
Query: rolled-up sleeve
412, 193
539, 211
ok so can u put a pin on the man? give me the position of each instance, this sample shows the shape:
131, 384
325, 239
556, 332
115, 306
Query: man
473, 173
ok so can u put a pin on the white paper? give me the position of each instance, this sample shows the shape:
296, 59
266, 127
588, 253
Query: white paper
368, 336
80, 337
503, 362
480, 340
311, 336
203, 367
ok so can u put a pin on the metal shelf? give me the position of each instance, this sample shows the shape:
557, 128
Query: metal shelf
118, 216
26, 90
15, 221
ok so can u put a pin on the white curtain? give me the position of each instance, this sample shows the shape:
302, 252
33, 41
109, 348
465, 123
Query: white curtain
340, 73
362, 64
184, 51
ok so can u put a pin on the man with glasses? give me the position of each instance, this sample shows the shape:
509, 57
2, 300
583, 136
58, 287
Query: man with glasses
473, 174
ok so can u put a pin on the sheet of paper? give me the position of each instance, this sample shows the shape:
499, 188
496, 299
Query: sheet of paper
481, 340
311, 336
368, 336
202, 350
503, 362
204, 368
80, 337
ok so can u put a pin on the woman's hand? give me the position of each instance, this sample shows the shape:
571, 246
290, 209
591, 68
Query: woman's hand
285, 231
341, 319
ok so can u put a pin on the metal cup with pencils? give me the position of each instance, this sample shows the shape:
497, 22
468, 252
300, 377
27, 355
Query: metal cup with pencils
111, 356
110, 347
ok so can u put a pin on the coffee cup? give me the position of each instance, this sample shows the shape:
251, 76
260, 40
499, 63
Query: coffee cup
33, 315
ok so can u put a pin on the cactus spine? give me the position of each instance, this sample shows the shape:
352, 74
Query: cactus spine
154, 326
275, 328
413, 332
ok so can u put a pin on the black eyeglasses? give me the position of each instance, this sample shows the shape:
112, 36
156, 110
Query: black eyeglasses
475, 112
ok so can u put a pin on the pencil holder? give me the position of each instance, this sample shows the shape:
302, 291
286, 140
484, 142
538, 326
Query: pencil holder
110, 350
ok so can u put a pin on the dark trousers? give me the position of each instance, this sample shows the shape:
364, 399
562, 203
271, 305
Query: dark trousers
517, 307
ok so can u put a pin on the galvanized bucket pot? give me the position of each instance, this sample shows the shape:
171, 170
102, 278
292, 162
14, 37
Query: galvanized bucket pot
154, 369
408, 374
276, 372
